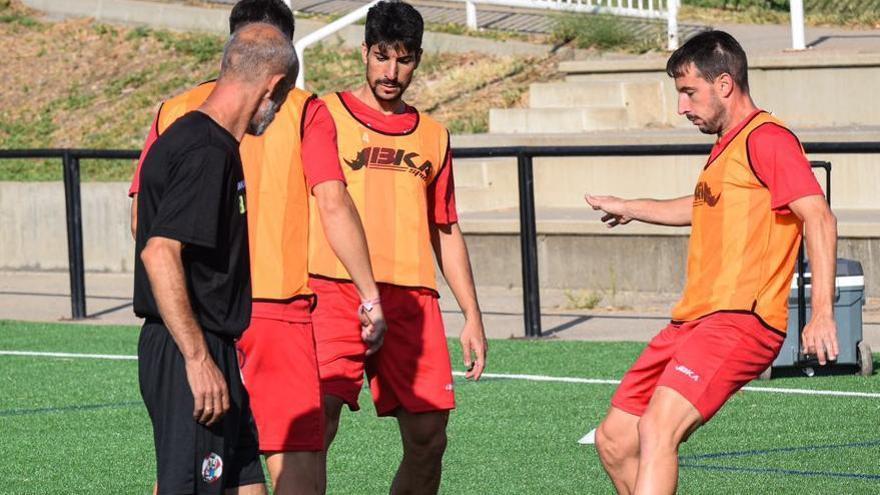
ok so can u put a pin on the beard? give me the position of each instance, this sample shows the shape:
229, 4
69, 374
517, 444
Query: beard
387, 90
262, 118
712, 124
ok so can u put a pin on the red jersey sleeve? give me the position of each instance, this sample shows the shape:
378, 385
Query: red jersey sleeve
441, 195
152, 136
777, 159
320, 155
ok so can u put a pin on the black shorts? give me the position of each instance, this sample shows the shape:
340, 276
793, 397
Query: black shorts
190, 457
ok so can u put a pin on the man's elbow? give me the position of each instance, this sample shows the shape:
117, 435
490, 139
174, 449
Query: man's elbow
156, 252
150, 254
826, 219
134, 218
331, 200
831, 220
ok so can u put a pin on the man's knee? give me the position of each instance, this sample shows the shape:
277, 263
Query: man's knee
654, 430
332, 412
614, 446
659, 428
428, 445
425, 438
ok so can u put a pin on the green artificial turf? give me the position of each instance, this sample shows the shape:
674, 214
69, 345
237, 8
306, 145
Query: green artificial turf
74, 425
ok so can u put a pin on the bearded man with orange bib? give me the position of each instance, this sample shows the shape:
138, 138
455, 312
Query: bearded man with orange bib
752, 201
293, 162
399, 172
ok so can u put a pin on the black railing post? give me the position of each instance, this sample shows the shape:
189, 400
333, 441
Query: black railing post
828, 182
801, 290
73, 204
528, 237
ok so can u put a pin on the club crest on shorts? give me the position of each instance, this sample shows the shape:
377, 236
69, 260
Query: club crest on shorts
212, 468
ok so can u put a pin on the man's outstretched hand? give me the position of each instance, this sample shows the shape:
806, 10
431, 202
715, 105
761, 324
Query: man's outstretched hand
614, 208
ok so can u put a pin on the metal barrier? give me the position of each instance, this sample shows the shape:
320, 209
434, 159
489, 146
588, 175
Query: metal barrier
524, 155
528, 230
73, 205
324, 32
645, 9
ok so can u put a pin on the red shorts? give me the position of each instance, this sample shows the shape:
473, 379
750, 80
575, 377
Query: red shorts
411, 370
705, 360
280, 371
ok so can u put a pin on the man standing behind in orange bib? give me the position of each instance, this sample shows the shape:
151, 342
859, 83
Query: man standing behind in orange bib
399, 172
752, 200
295, 156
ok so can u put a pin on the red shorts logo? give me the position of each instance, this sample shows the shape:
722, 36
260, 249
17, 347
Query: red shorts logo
688, 372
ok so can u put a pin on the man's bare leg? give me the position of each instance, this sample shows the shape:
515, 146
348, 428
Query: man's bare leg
424, 442
617, 442
332, 412
667, 422
255, 489
294, 473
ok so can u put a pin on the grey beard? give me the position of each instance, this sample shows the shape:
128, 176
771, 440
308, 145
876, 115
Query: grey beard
258, 128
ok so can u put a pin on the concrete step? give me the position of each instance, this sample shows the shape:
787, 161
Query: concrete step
561, 182
575, 106
578, 94
803, 89
577, 251
550, 120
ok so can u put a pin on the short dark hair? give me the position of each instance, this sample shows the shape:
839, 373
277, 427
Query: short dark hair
273, 12
394, 24
255, 50
713, 53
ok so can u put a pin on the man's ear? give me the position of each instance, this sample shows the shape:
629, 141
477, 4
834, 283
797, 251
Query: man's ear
365, 51
724, 85
272, 85
418, 58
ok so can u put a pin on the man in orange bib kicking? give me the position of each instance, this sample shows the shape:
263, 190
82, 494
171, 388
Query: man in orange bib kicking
753, 199
399, 172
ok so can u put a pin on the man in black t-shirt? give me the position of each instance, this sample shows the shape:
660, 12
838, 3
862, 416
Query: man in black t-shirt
192, 279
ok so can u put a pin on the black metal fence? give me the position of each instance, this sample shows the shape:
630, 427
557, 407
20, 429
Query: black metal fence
73, 205
524, 155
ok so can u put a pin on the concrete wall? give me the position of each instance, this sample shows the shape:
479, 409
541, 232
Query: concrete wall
640, 263
803, 90
577, 255
562, 182
33, 229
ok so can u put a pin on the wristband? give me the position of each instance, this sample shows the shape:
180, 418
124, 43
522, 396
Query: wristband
368, 304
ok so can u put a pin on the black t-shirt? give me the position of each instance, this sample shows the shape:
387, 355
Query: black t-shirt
192, 190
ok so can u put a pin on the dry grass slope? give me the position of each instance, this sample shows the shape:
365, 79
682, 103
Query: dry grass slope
83, 84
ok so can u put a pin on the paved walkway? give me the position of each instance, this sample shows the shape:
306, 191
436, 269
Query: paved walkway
529, 21
773, 39
756, 39
45, 296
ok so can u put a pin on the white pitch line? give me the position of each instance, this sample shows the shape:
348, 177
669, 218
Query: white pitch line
543, 378
503, 376
805, 391
597, 381
118, 357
